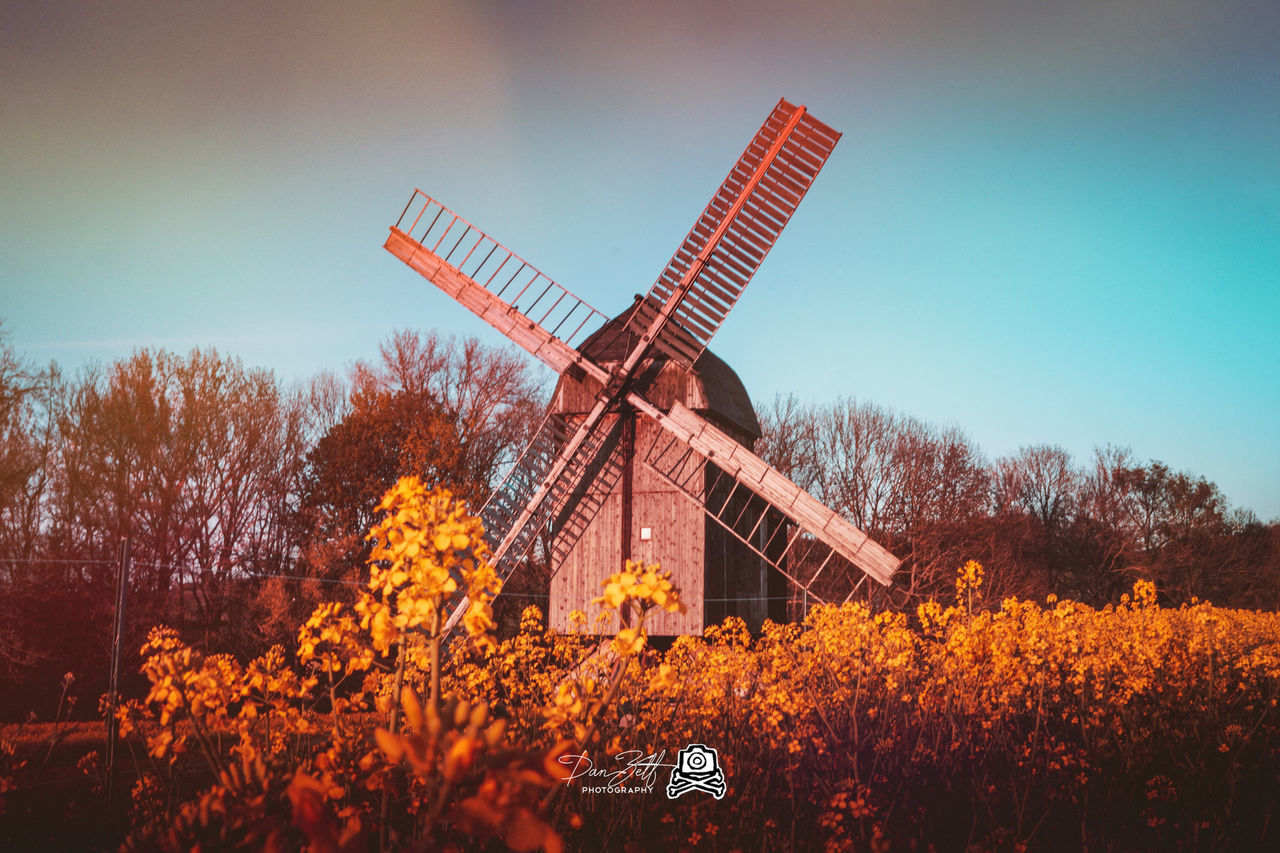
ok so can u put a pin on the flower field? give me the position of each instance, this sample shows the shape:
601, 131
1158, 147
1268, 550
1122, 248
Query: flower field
1026, 726
968, 724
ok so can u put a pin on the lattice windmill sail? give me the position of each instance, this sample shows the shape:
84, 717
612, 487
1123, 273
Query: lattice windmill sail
622, 412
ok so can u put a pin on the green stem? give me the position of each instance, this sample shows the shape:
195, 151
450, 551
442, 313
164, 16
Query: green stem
384, 829
435, 660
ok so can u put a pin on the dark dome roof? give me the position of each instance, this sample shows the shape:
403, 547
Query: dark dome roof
725, 396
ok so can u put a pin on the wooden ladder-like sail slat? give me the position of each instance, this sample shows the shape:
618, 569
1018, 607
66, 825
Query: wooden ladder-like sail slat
730, 239
495, 284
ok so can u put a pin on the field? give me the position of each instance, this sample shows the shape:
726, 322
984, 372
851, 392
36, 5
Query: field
1037, 726
968, 724
1028, 726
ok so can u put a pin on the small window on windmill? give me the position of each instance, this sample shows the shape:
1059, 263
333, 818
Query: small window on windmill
646, 533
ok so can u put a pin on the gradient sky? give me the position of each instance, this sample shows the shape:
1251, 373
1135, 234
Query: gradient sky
1046, 222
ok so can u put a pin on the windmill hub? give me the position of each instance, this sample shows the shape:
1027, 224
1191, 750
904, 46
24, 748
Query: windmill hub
708, 386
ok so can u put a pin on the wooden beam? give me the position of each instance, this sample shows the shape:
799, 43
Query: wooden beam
523, 331
753, 472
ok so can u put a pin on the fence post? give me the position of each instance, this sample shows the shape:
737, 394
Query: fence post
117, 652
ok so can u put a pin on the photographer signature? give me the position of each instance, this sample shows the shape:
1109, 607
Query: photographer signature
634, 765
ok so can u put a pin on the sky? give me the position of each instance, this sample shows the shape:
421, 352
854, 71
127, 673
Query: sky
1046, 223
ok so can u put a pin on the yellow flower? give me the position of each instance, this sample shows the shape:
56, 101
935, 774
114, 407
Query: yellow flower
644, 585
664, 678
629, 642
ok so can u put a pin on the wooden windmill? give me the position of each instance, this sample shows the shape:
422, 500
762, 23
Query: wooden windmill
646, 449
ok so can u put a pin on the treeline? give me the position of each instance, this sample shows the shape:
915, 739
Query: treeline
246, 499
1039, 521
230, 485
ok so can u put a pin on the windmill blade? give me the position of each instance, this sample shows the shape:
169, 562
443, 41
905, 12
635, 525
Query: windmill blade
513, 494
497, 285
508, 293
813, 566
546, 490
729, 241
692, 443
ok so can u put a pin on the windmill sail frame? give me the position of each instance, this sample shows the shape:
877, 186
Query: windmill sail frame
684, 308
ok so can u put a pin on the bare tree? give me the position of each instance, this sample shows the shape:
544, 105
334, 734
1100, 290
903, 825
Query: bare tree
1101, 528
326, 400
1042, 481
786, 440
493, 397
28, 444
855, 445
940, 497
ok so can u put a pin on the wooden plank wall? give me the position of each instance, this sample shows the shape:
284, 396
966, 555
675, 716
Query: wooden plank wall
592, 559
677, 542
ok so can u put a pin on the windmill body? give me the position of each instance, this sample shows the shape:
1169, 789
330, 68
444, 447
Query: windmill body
647, 425
643, 516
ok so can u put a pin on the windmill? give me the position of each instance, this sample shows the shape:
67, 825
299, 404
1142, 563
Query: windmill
614, 413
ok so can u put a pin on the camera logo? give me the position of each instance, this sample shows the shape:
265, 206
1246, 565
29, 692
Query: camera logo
697, 767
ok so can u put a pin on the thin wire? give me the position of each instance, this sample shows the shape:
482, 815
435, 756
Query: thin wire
197, 568
504, 593
305, 578
29, 560
718, 600
145, 565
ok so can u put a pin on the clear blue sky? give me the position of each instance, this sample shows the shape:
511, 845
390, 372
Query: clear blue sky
1046, 222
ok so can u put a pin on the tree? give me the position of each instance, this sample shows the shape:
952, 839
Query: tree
243, 441
1177, 517
786, 440
27, 444
856, 446
27, 447
1041, 481
194, 458
914, 488
1036, 493
449, 413
491, 395
939, 505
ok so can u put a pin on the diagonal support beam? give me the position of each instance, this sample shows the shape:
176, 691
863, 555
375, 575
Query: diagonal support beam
757, 475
